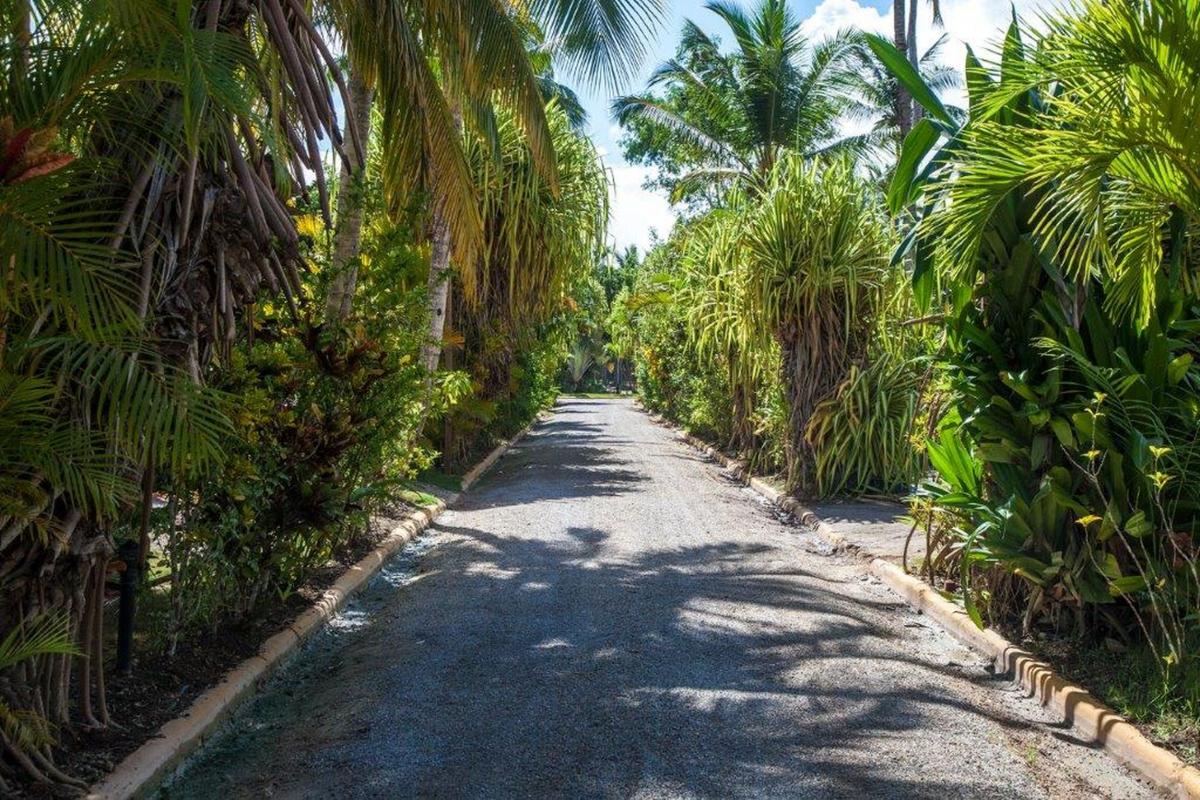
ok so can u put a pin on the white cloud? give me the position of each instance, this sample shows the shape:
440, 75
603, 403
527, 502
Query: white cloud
832, 16
978, 23
635, 212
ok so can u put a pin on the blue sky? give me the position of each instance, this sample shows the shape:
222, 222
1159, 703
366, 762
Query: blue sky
637, 212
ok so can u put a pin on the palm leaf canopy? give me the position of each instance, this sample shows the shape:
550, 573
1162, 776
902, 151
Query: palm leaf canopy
1113, 150
740, 109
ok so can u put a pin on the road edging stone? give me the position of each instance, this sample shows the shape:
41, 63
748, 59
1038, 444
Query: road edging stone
1078, 707
145, 769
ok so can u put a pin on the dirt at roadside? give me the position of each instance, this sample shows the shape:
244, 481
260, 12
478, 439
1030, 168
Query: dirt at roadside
162, 687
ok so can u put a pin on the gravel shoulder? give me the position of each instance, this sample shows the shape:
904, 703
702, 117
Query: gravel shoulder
607, 615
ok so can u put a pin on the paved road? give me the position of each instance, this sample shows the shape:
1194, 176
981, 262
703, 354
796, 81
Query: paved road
606, 615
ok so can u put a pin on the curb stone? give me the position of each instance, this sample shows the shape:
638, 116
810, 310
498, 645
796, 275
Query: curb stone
1084, 713
145, 769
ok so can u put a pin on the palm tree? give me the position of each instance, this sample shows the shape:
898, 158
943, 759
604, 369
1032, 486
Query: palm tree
601, 40
539, 235
1062, 215
1116, 153
904, 33
97, 389
21, 730
738, 112
714, 296
540, 56
539, 240
351, 186
580, 359
154, 154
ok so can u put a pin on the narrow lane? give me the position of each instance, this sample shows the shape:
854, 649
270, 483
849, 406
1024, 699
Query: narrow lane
601, 617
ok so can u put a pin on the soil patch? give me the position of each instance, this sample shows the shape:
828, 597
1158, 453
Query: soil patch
161, 686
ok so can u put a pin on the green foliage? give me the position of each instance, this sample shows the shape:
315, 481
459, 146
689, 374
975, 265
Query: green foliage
861, 435
48, 635
675, 376
1111, 151
532, 295
163, 260
1071, 461
785, 267
726, 116
327, 430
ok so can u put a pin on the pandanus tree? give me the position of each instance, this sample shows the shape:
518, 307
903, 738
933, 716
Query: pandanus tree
713, 293
816, 243
792, 262
539, 236
728, 116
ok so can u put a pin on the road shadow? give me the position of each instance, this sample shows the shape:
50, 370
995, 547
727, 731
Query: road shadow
563, 458
543, 658
526, 667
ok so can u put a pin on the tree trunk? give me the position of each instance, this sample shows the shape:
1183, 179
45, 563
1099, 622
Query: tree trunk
903, 99
348, 234
815, 357
448, 433
438, 283
914, 57
741, 437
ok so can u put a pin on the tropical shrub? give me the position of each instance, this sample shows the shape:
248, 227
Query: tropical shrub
861, 434
160, 316
815, 248
326, 430
1069, 462
519, 305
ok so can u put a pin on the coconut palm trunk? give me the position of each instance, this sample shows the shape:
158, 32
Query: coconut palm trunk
438, 286
914, 57
904, 104
438, 282
347, 237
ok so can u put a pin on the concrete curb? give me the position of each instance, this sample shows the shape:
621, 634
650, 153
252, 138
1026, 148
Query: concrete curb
1086, 715
143, 770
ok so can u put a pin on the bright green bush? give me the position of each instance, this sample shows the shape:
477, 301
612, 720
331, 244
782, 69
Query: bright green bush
862, 435
1071, 462
326, 429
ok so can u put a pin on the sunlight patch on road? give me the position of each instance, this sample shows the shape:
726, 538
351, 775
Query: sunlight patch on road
352, 619
488, 569
552, 644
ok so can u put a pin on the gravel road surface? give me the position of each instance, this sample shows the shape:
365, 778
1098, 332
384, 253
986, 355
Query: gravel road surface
608, 615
